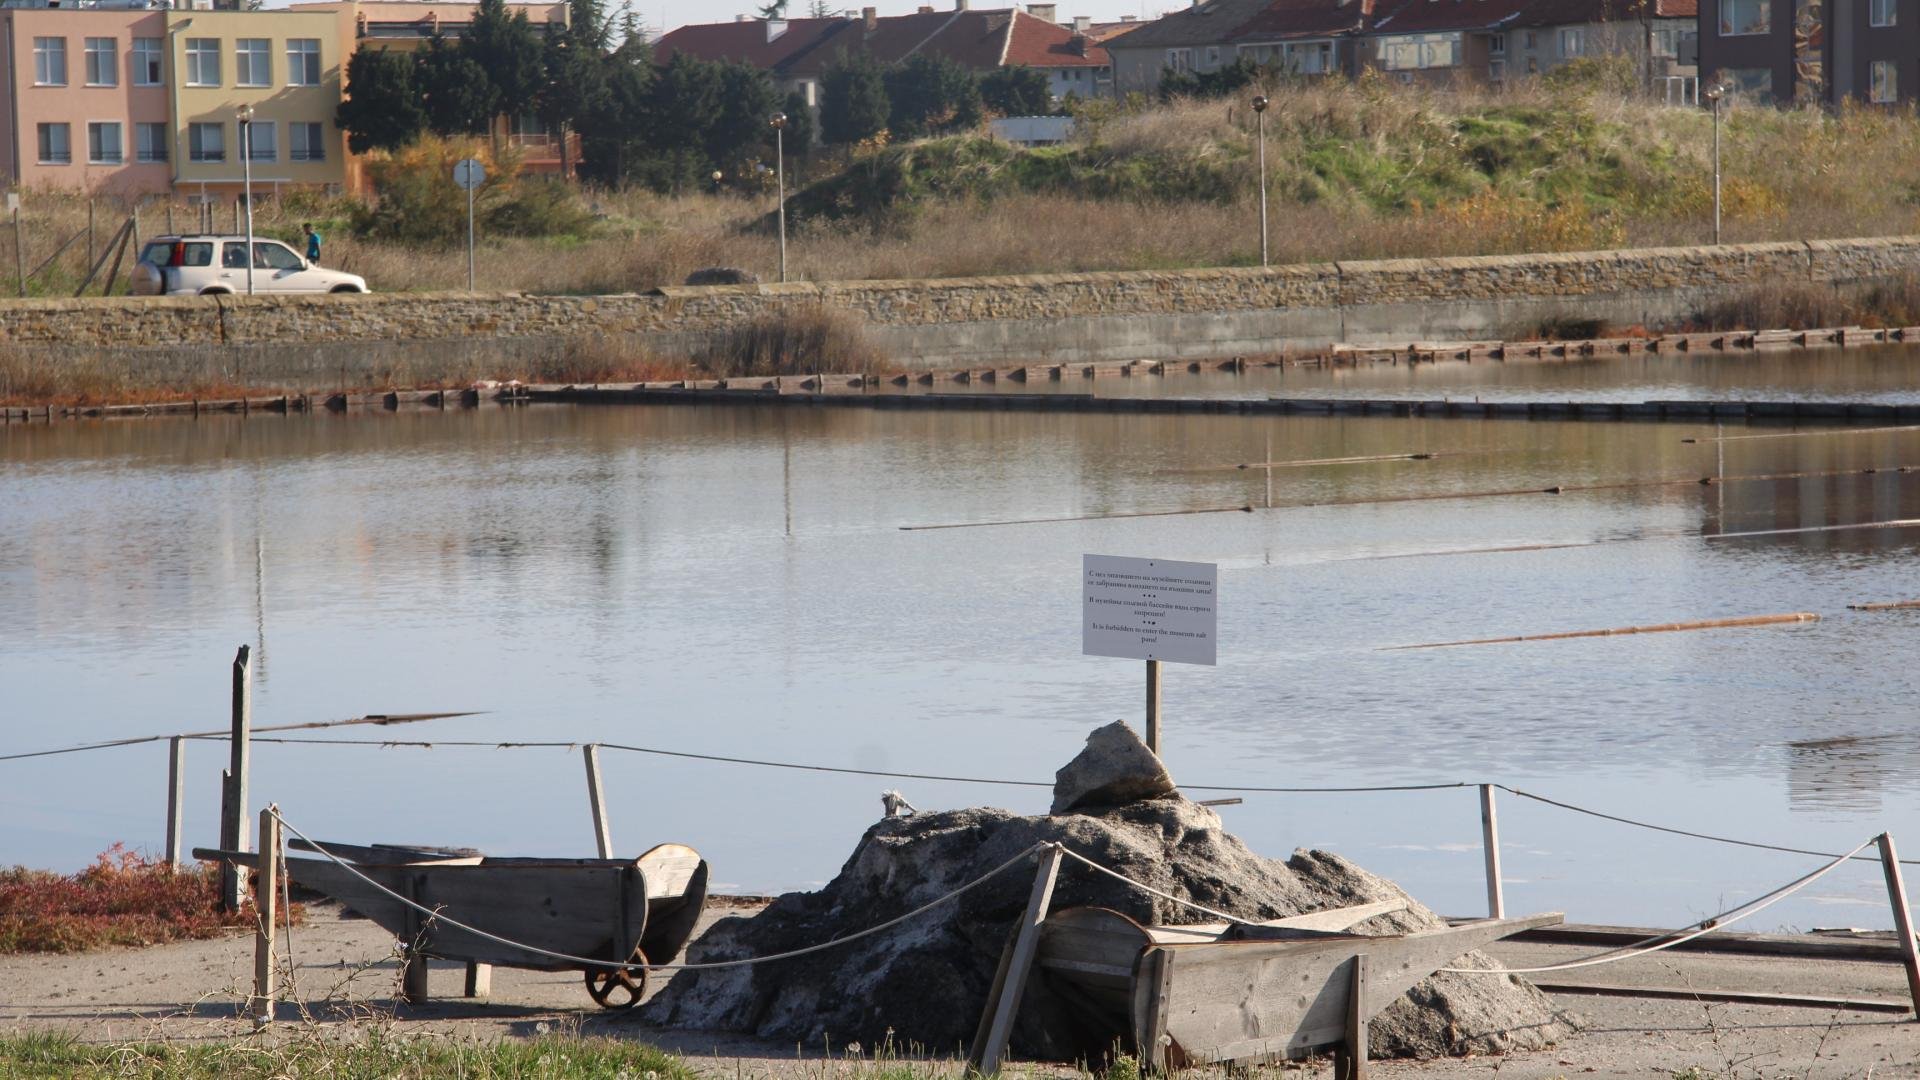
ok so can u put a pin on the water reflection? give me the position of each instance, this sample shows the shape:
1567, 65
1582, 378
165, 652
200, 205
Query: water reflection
736, 581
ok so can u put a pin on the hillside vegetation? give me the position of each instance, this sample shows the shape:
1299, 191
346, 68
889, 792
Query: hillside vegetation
1373, 170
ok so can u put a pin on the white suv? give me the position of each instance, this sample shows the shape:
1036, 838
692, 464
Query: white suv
199, 265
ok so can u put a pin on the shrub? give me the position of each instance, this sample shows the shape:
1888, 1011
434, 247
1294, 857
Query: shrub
122, 899
799, 340
418, 202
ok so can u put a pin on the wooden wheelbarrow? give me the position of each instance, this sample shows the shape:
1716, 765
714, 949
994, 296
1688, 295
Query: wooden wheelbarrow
1185, 996
629, 912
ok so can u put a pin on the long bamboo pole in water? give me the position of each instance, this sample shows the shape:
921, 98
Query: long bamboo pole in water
1888, 605
1657, 628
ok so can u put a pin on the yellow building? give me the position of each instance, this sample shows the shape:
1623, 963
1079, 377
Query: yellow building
287, 68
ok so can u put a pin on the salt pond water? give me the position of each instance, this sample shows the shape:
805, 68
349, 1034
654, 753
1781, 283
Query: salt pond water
736, 581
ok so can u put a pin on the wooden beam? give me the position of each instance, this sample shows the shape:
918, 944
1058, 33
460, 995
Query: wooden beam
1153, 706
1732, 997
176, 798
596, 801
1902, 917
1490, 846
233, 789
986, 1058
1723, 942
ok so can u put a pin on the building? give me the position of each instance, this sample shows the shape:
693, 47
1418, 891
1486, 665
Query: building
88, 100
408, 26
1305, 37
1197, 39
797, 52
1806, 51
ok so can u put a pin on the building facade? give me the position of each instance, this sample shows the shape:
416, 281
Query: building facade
1812, 51
88, 106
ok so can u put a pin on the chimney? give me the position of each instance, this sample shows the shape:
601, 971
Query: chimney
924, 9
959, 5
870, 16
775, 28
739, 18
1078, 44
1082, 23
1044, 12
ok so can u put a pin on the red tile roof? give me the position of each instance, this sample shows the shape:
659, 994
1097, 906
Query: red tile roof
1304, 18
747, 41
1041, 44
1428, 16
1575, 12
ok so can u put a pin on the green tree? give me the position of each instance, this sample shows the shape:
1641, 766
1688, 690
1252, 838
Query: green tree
457, 95
854, 103
1016, 91
382, 108
506, 47
683, 102
800, 130
576, 80
613, 136
927, 95
740, 131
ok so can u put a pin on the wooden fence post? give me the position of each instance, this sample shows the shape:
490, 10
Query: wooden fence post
1490, 844
233, 785
596, 800
266, 904
1004, 1003
1902, 917
1153, 706
176, 797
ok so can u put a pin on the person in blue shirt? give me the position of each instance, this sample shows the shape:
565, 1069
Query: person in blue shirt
313, 245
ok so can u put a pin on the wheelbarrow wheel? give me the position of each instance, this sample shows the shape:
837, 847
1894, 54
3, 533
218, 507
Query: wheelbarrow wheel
619, 988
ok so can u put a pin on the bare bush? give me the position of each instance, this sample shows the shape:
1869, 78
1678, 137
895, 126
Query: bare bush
798, 340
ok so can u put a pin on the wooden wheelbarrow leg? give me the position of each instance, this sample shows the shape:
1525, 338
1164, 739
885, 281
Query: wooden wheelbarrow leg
1350, 1060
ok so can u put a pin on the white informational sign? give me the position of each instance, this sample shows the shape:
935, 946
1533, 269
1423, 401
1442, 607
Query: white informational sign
470, 173
1149, 609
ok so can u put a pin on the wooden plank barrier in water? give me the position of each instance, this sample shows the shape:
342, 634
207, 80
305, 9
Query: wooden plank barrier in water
1887, 605
1657, 628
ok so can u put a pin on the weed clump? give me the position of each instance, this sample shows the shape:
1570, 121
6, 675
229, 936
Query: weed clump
122, 899
798, 340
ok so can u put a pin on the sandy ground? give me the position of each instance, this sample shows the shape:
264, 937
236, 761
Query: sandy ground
344, 968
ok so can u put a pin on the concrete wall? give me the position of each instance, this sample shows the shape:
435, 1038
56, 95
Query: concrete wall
971, 321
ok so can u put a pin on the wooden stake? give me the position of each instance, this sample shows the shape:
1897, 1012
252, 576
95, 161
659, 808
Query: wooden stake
1353, 1052
986, 1057
1153, 706
233, 788
1902, 917
176, 797
479, 979
19, 252
596, 801
1490, 844
266, 902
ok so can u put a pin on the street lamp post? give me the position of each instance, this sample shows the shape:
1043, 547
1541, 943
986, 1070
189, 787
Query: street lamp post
779, 123
1260, 117
246, 183
1714, 94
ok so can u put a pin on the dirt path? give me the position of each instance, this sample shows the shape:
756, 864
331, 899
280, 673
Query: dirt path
347, 969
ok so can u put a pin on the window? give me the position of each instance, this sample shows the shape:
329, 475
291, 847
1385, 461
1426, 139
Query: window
263, 140
1754, 84
1180, 59
1739, 17
1213, 56
147, 63
197, 253
105, 144
1531, 39
276, 257
233, 257
150, 142
1571, 39
54, 148
206, 142
305, 142
1496, 44
103, 62
49, 61
1885, 83
251, 66
1883, 12
1412, 52
1663, 43
203, 61
1308, 58
303, 61
1496, 70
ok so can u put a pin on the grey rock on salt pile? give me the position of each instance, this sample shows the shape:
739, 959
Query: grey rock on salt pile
926, 981
1116, 768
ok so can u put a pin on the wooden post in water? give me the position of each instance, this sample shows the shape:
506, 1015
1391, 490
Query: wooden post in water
1153, 706
1902, 917
266, 904
176, 797
233, 782
596, 801
1004, 1002
1490, 845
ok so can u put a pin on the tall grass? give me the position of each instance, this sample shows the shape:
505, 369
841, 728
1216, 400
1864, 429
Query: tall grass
374, 1053
1367, 170
799, 340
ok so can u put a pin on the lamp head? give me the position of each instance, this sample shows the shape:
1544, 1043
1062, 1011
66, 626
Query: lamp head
1260, 104
779, 120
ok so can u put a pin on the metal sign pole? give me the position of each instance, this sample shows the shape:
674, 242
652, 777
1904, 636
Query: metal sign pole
469, 238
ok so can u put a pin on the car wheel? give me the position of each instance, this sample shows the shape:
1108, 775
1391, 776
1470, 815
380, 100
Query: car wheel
343, 289
216, 292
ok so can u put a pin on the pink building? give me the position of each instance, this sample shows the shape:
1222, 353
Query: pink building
86, 100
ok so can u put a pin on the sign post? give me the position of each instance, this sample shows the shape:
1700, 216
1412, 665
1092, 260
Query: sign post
469, 174
1150, 609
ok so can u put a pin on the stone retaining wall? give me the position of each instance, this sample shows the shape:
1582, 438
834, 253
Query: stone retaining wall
1061, 318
